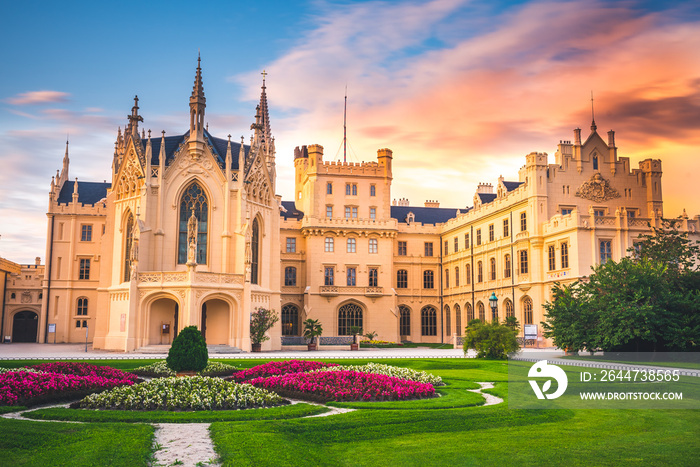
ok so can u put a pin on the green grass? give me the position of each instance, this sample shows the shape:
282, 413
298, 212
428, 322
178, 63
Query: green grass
160, 416
11, 408
47, 444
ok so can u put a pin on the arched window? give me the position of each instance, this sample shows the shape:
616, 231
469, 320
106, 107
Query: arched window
349, 315
290, 276
482, 314
193, 200
448, 321
255, 253
428, 321
128, 239
404, 320
468, 273
492, 266
457, 277
401, 279
428, 280
507, 266
509, 308
595, 162
458, 320
527, 310
82, 306
479, 272
470, 312
290, 320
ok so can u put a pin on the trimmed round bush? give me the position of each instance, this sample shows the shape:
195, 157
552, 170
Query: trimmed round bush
188, 351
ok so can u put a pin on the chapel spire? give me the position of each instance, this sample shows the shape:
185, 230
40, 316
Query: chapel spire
263, 133
134, 119
197, 102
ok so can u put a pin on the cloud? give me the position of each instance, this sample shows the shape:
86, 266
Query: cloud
38, 97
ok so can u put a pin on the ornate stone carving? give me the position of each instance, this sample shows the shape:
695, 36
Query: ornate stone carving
26, 297
597, 189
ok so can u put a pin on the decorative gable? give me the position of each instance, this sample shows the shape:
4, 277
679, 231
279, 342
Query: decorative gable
257, 181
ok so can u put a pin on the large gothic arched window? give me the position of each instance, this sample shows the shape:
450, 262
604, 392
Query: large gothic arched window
255, 252
193, 200
128, 239
349, 315
290, 320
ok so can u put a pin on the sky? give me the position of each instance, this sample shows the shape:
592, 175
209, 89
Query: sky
460, 90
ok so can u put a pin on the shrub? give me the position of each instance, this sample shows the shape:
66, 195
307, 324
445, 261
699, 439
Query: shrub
491, 340
261, 321
188, 351
196, 393
279, 368
344, 386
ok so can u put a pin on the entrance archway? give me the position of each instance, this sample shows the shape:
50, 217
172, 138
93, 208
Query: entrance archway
163, 323
215, 322
24, 326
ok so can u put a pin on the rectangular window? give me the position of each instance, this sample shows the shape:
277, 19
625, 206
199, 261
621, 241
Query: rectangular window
456, 244
428, 248
566, 211
428, 280
354, 212
372, 190
290, 276
599, 212
401, 279
506, 228
82, 306
352, 244
347, 212
605, 251
446, 248
373, 277
523, 222
468, 273
492, 233
372, 213
523, 262
466, 241
84, 268
291, 245
351, 277
631, 214
492, 268
373, 245
328, 245
354, 189
552, 258
447, 278
328, 275
329, 211
456, 277
479, 272
329, 188
564, 255
402, 248
347, 189
478, 236
507, 266
86, 233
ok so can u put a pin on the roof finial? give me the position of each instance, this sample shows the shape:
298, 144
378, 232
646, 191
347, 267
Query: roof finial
197, 101
264, 74
593, 125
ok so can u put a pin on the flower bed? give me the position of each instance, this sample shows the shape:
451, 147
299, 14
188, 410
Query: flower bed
278, 368
160, 369
388, 370
344, 385
28, 388
193, 393
84, 369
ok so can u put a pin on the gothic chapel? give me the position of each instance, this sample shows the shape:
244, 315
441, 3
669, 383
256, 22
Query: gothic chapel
189, 236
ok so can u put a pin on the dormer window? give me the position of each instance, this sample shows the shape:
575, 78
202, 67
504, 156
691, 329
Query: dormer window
410, 218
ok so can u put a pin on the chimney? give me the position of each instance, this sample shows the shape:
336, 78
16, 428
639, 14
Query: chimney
577, 137
432, 203
611, 139
37, 261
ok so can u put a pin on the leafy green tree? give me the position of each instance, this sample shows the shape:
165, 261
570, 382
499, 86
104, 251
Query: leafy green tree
312, 329
512, 322
261, 321
490, 340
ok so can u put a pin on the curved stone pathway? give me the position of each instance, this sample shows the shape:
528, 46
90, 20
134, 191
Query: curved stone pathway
490, 400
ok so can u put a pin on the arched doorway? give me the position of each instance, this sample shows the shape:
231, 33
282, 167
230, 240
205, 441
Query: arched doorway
215, 322
163, 323
24, 326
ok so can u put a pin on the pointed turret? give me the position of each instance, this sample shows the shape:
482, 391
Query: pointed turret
161, 156
149, 156
64, 170
265, 115
197, 103
134, 119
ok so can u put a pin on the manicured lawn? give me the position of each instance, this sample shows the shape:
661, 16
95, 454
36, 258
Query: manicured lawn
25, 443
450, 430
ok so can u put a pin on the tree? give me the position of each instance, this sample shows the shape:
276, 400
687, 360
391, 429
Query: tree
312, 329
188, 351
512, 322
490, 340
261, 321
647, 302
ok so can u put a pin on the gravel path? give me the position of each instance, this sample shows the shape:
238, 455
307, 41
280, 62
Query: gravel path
490, 400
186, 444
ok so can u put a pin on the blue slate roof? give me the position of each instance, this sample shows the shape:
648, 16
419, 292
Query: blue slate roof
425, 215
173, 142
510, 186
486, 197
88, 192
292, 211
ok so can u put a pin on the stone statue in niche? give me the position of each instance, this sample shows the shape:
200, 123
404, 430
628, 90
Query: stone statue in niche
597, 189
192, 240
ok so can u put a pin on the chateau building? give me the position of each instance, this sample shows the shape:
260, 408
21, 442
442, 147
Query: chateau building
189, 231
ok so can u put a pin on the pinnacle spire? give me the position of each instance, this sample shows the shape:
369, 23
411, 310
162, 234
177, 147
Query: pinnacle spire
197, 101
594, 127
264, 114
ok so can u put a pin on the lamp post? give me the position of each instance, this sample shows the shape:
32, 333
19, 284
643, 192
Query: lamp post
493, 302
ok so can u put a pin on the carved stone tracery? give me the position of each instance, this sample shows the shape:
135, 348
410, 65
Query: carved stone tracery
597, 189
